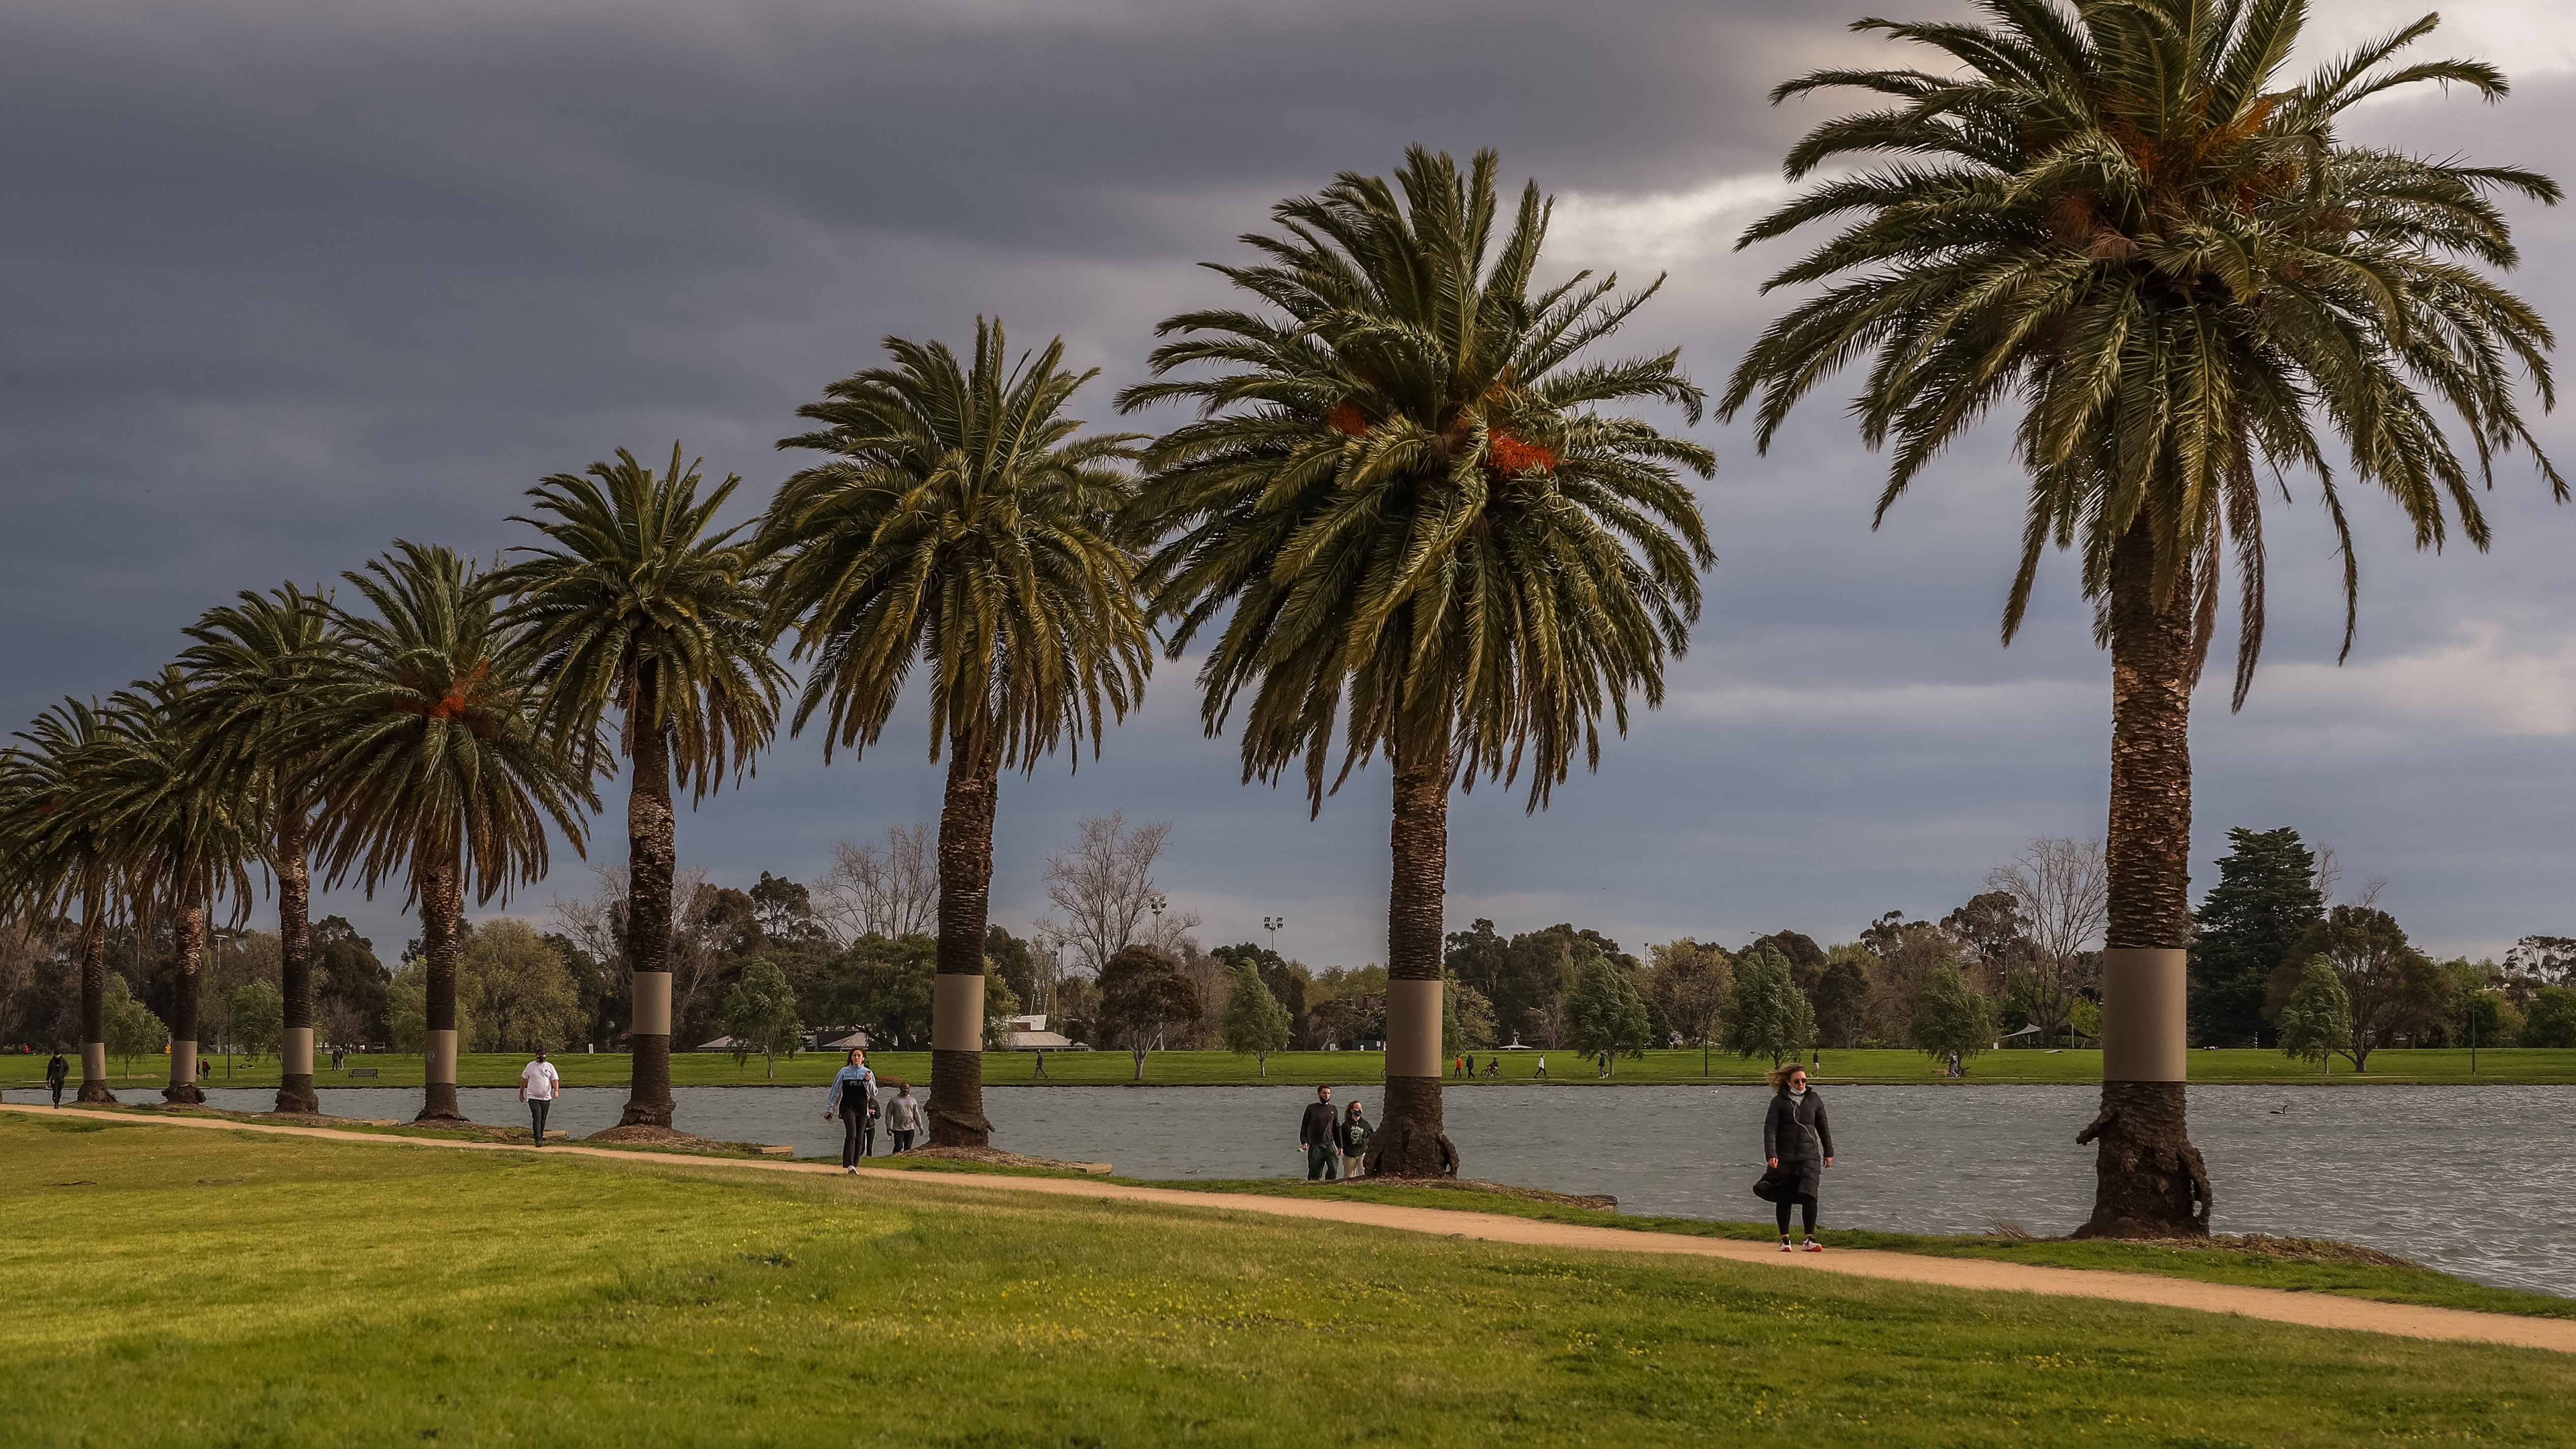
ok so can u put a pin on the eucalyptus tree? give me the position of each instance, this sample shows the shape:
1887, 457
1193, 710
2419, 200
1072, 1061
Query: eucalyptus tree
961, 521
439, 771
642, 605
61, 853
2117, 220
184, 835
259, 672
1406, 505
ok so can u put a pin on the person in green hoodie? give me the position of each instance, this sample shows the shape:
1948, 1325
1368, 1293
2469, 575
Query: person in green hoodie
1352, 1135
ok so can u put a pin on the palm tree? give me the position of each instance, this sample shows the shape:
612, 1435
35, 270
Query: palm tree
257, 671
438, 766
184, 835
1400, 485
61, 852
2120, 222
640, 606
962, 522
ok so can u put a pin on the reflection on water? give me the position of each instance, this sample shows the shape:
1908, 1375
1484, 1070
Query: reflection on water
2479, 1181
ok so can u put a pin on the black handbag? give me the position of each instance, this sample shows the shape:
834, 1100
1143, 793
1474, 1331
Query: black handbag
1775, 1183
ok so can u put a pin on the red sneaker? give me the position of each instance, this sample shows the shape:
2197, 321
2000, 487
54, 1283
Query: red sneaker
1784, 1246
1814, 1247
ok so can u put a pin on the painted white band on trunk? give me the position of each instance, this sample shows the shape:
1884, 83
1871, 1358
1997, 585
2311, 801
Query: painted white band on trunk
299, 1051
183, 1063
957, 1013
2142, 1015
652, 1004
93, 1061
441, 1066
1413, 1029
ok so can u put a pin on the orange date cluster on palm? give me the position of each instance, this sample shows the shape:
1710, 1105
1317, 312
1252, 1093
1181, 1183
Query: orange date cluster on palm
1503, 453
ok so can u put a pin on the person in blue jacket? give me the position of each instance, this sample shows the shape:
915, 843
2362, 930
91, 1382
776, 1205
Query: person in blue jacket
854, 1097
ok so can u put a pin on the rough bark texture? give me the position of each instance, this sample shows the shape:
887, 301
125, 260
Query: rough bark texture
188, 958
294, 944
965, 906
1411, 1142
93, 1007
2148, 1178
652, 857
441, 902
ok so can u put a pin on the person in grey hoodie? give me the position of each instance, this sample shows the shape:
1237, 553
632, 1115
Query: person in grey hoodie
1798, 1142
903, 1118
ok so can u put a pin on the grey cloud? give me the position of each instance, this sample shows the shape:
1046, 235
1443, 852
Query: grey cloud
282, 281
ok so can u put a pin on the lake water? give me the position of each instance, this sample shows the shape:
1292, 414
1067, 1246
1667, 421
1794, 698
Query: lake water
2479, 1181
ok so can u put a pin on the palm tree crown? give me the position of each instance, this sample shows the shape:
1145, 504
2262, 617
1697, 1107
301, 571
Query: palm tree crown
1399, 484
638, 586
436, 748
2116, 221
961, 521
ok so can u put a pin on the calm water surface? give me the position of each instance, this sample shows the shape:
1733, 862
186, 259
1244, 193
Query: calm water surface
2479, 1181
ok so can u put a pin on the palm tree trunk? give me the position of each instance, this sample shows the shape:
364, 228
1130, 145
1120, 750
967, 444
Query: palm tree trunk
965, 907
295, 958
93, 1007
1411, 1141
652, 859
2148, 1179
441, 903
188, 955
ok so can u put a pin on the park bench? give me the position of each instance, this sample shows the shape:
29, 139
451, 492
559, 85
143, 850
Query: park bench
362, 1071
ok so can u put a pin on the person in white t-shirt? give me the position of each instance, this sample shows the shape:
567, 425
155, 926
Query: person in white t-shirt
537, 1082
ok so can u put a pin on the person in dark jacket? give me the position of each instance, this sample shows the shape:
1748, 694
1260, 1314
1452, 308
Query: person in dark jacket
55, 1071
1316, 1136
1799, 1142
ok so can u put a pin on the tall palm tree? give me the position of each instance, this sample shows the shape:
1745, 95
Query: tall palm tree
641, 606
185, 835
438, 767
1401, 486
2117, 220
257, 673
961, 521
61, 852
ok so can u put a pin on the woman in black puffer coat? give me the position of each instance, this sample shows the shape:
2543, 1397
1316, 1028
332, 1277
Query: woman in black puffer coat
1799, 1142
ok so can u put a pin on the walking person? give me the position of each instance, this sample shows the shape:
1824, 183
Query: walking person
903, 1118
55, 1071
1542, 1064
1354, 1134
537, 1083
1798, 1143
853, 1095
1316, 1133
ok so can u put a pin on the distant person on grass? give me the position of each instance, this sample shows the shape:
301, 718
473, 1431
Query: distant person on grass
1316, 1134
903, 1118
537, 1082
1353, 1135
55, 1071
1798, 1143
853, 1095
1542, 1065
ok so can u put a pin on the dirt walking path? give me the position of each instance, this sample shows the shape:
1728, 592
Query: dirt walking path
2316, 1310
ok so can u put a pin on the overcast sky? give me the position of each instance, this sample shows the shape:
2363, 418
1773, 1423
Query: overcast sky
282, 280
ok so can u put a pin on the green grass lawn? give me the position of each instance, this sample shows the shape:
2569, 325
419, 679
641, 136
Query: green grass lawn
1298, 1069
192, 1287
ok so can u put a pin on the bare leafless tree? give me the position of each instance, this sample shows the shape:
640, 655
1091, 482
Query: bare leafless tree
2062, 890
2328, 871
595, 923
885, 890
1103, 889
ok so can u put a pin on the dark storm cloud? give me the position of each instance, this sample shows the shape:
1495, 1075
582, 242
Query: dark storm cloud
283, 281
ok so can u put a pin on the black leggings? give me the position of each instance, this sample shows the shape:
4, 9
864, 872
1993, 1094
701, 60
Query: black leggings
1806, 1205
854, 1136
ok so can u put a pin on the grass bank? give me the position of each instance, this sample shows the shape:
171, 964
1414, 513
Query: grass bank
2529, 1066
203, 1287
